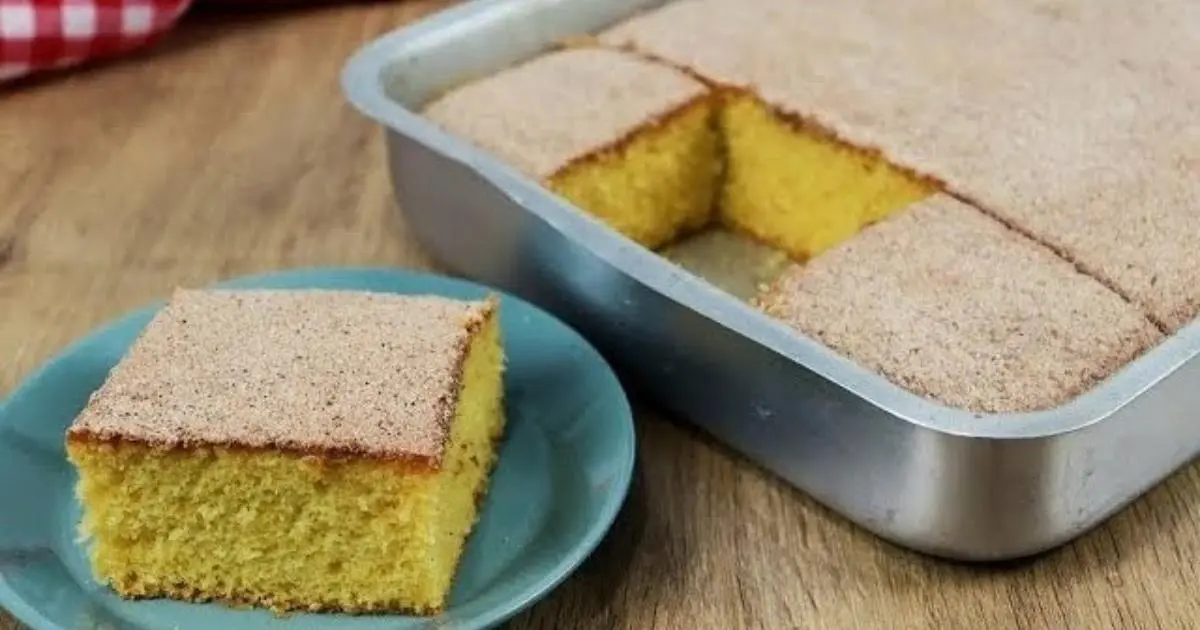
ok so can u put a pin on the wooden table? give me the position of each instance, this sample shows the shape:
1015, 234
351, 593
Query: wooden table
229, 150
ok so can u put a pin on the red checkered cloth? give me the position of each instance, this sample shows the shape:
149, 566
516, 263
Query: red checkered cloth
37, 35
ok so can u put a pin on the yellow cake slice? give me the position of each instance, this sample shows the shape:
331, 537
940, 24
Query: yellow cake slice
297, 450
632, 142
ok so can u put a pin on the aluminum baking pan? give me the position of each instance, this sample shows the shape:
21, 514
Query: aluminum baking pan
925, 476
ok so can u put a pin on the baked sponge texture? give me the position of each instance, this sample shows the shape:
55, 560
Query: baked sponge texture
317, 451
660, 185
796, 187
630, 141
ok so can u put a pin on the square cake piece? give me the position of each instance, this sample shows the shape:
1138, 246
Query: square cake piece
632, 142
297, 450
952, 305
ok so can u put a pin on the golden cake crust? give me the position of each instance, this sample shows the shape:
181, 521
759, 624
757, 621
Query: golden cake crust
1073, 121
328, 373
950, 304
549, 112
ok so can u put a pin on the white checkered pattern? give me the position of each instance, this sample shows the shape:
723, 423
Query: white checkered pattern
38, 35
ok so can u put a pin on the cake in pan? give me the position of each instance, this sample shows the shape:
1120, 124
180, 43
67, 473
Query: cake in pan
632, 142
309, 450
1059, 138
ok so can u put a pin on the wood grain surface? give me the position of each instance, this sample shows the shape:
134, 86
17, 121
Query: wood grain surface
229, 149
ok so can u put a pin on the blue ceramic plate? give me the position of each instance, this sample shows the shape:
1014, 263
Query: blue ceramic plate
563, 473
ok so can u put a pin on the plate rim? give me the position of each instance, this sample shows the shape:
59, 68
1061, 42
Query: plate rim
538, 588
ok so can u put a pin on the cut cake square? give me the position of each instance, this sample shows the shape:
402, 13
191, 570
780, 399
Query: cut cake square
299, 450
950, 304
632, 142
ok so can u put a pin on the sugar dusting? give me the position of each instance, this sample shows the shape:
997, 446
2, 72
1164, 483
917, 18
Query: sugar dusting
316, 371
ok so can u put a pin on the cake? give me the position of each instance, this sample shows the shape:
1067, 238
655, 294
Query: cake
632, 142
296, 450
967, 323
1072, 121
